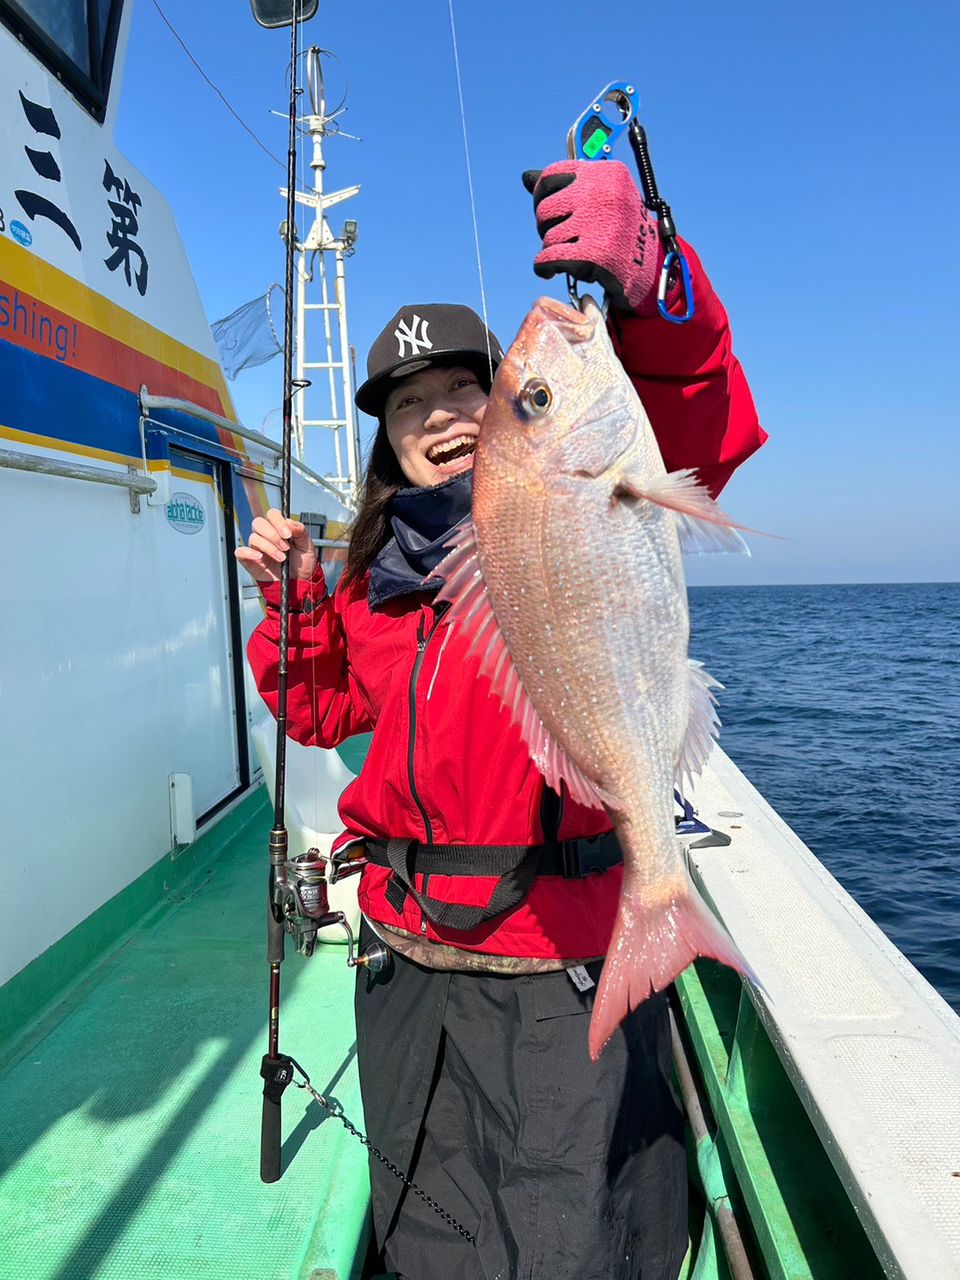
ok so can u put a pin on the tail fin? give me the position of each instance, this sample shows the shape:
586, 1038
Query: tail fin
646, 955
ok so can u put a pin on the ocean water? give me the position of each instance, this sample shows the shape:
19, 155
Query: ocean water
842, 706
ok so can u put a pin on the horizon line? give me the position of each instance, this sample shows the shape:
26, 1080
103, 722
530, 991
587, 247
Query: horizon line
911, 582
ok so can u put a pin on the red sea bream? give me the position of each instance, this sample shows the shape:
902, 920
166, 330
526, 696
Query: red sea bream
570, 579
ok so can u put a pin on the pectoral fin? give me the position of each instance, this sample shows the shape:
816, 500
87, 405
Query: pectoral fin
701, 524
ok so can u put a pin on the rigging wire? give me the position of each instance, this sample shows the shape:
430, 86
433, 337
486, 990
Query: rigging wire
473, 203
179, 39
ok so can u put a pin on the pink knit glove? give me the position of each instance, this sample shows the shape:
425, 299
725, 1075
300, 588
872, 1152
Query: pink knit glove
595, 227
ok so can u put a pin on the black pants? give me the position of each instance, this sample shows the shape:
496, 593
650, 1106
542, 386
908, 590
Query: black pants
480, 1087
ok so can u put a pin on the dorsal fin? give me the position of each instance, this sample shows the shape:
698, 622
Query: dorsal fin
472, 610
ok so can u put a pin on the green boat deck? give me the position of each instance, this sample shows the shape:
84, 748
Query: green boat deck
131, 1098
131, 1110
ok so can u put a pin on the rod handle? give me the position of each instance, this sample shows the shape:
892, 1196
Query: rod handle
277, 1074
270, 1141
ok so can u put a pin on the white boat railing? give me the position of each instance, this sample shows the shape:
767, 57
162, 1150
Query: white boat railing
134, 481
149, 402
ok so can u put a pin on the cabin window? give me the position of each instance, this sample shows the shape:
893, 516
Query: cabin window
75, 39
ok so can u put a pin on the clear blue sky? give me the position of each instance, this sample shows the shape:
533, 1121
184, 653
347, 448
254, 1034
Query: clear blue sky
809, 153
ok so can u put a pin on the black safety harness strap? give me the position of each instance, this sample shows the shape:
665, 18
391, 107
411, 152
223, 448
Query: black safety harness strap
519, 863
572, 859
551, 811
514, 866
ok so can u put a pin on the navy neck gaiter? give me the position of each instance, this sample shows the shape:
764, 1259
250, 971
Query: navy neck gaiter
422, 520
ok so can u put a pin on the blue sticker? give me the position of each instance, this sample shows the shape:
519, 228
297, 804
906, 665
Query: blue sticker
21, 233
185, 513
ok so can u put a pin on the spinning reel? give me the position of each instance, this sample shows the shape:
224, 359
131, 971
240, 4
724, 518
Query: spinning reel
301, 902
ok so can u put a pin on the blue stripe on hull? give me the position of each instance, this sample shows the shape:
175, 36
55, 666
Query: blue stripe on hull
41, 397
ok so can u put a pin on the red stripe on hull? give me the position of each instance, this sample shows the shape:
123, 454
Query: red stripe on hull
27, 322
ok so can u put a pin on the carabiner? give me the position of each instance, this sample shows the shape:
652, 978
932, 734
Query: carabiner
675, 257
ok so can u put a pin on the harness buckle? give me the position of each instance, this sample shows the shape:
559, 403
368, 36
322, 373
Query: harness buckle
569, 851
347, 861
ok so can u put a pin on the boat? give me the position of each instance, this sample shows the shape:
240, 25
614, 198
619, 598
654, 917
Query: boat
823, 1109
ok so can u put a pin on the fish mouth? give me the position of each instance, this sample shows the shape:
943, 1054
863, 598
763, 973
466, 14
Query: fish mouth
563, 313
551, 325
576, 326
453, 454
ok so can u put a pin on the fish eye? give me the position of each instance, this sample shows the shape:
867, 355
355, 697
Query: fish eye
536, 397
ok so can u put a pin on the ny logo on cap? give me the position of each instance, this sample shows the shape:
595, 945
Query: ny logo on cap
407, 333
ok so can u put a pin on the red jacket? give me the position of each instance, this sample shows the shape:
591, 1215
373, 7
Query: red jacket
446, 765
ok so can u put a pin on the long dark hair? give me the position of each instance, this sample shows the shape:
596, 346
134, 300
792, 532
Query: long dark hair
370, 530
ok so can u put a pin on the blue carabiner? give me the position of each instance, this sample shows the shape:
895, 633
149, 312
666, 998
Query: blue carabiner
675, 256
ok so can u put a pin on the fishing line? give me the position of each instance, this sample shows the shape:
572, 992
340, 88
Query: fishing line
302, 161
303, 270
179, 39
473, 203
299, 232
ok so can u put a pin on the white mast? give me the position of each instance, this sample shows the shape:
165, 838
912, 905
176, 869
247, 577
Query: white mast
329, 339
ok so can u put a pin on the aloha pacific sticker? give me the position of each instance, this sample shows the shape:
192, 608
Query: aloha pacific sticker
185, 513
20, 233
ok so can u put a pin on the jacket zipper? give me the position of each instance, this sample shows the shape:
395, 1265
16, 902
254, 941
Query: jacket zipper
422, 641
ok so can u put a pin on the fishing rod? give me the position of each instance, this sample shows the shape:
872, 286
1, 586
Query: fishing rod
592, 136
276, 1068
297, 896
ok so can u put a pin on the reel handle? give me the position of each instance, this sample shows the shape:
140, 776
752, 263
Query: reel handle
375, 958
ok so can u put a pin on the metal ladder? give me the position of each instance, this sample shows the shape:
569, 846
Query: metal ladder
341, 464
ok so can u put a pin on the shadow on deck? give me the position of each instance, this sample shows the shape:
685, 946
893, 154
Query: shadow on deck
130, 1141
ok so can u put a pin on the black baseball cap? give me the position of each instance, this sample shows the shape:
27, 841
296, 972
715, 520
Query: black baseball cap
422, 335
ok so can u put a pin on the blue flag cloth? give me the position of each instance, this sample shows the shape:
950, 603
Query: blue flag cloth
249, 336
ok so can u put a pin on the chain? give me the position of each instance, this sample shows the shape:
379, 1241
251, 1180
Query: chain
336, 1110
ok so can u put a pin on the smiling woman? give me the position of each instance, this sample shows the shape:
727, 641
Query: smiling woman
494, 894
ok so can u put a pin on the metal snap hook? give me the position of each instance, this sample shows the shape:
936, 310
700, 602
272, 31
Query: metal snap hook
675, 259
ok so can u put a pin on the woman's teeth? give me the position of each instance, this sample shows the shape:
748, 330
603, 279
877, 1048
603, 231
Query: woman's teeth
451, 450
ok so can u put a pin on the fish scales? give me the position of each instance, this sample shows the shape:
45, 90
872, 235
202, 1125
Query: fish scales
608, 690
